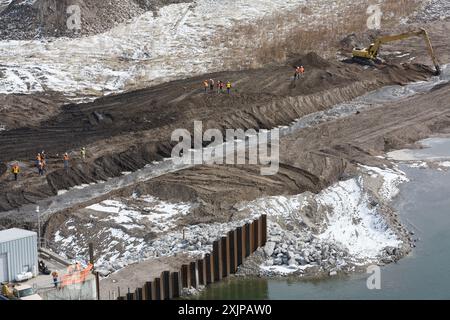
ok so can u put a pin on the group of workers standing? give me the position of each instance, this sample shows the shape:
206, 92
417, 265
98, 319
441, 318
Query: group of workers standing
299, 72
210, 85
220, 86
41, 163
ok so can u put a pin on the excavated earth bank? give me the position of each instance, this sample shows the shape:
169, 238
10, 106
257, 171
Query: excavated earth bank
127, 131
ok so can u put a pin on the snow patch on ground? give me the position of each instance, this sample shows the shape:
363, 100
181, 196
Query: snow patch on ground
129, 230
117, 247
161, 215
353, 223
444, 164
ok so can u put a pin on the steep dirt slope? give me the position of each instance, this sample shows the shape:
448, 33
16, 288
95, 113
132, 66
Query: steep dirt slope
125, 132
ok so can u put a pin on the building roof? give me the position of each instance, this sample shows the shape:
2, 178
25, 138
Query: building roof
15, 234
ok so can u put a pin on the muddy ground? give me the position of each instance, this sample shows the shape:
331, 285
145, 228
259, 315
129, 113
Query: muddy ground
131, 278
125, 132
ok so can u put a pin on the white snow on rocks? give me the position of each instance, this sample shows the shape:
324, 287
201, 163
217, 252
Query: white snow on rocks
351, 232
353, 223
392, 178
144, 228
444, 164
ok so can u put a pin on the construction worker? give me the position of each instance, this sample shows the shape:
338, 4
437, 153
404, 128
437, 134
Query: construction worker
228, 87
206, 85
211, 85
38, 159
15, 170
83, 153
66, 162
302, 71
41, 167
218, 86
297, 73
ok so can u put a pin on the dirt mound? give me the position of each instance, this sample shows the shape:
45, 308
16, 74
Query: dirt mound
23, 20
311, 159
14, 107
353, 40
312, 59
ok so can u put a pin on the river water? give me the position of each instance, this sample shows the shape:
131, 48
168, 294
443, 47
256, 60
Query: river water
423, 205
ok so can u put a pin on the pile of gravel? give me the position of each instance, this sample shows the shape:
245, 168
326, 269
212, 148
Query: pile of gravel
301, 252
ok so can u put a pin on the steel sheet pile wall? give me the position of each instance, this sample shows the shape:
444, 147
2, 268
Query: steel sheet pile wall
228, 254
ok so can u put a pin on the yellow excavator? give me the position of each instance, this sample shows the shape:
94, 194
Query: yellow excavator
370, 55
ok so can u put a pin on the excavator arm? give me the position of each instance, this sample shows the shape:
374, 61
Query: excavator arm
372, 51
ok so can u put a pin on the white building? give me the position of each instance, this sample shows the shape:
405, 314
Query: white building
18, 253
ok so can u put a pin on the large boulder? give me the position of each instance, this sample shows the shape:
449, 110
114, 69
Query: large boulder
269, 248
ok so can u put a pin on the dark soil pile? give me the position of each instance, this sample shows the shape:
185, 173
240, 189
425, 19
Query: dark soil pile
41, 106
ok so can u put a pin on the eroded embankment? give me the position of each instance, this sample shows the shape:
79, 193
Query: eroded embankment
126, 132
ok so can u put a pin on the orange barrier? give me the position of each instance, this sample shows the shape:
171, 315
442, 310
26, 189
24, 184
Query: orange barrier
76, 277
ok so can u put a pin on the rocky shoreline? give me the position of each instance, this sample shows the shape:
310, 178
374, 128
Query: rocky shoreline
299, 250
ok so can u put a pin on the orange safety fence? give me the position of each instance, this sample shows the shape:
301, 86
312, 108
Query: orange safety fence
76, 277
